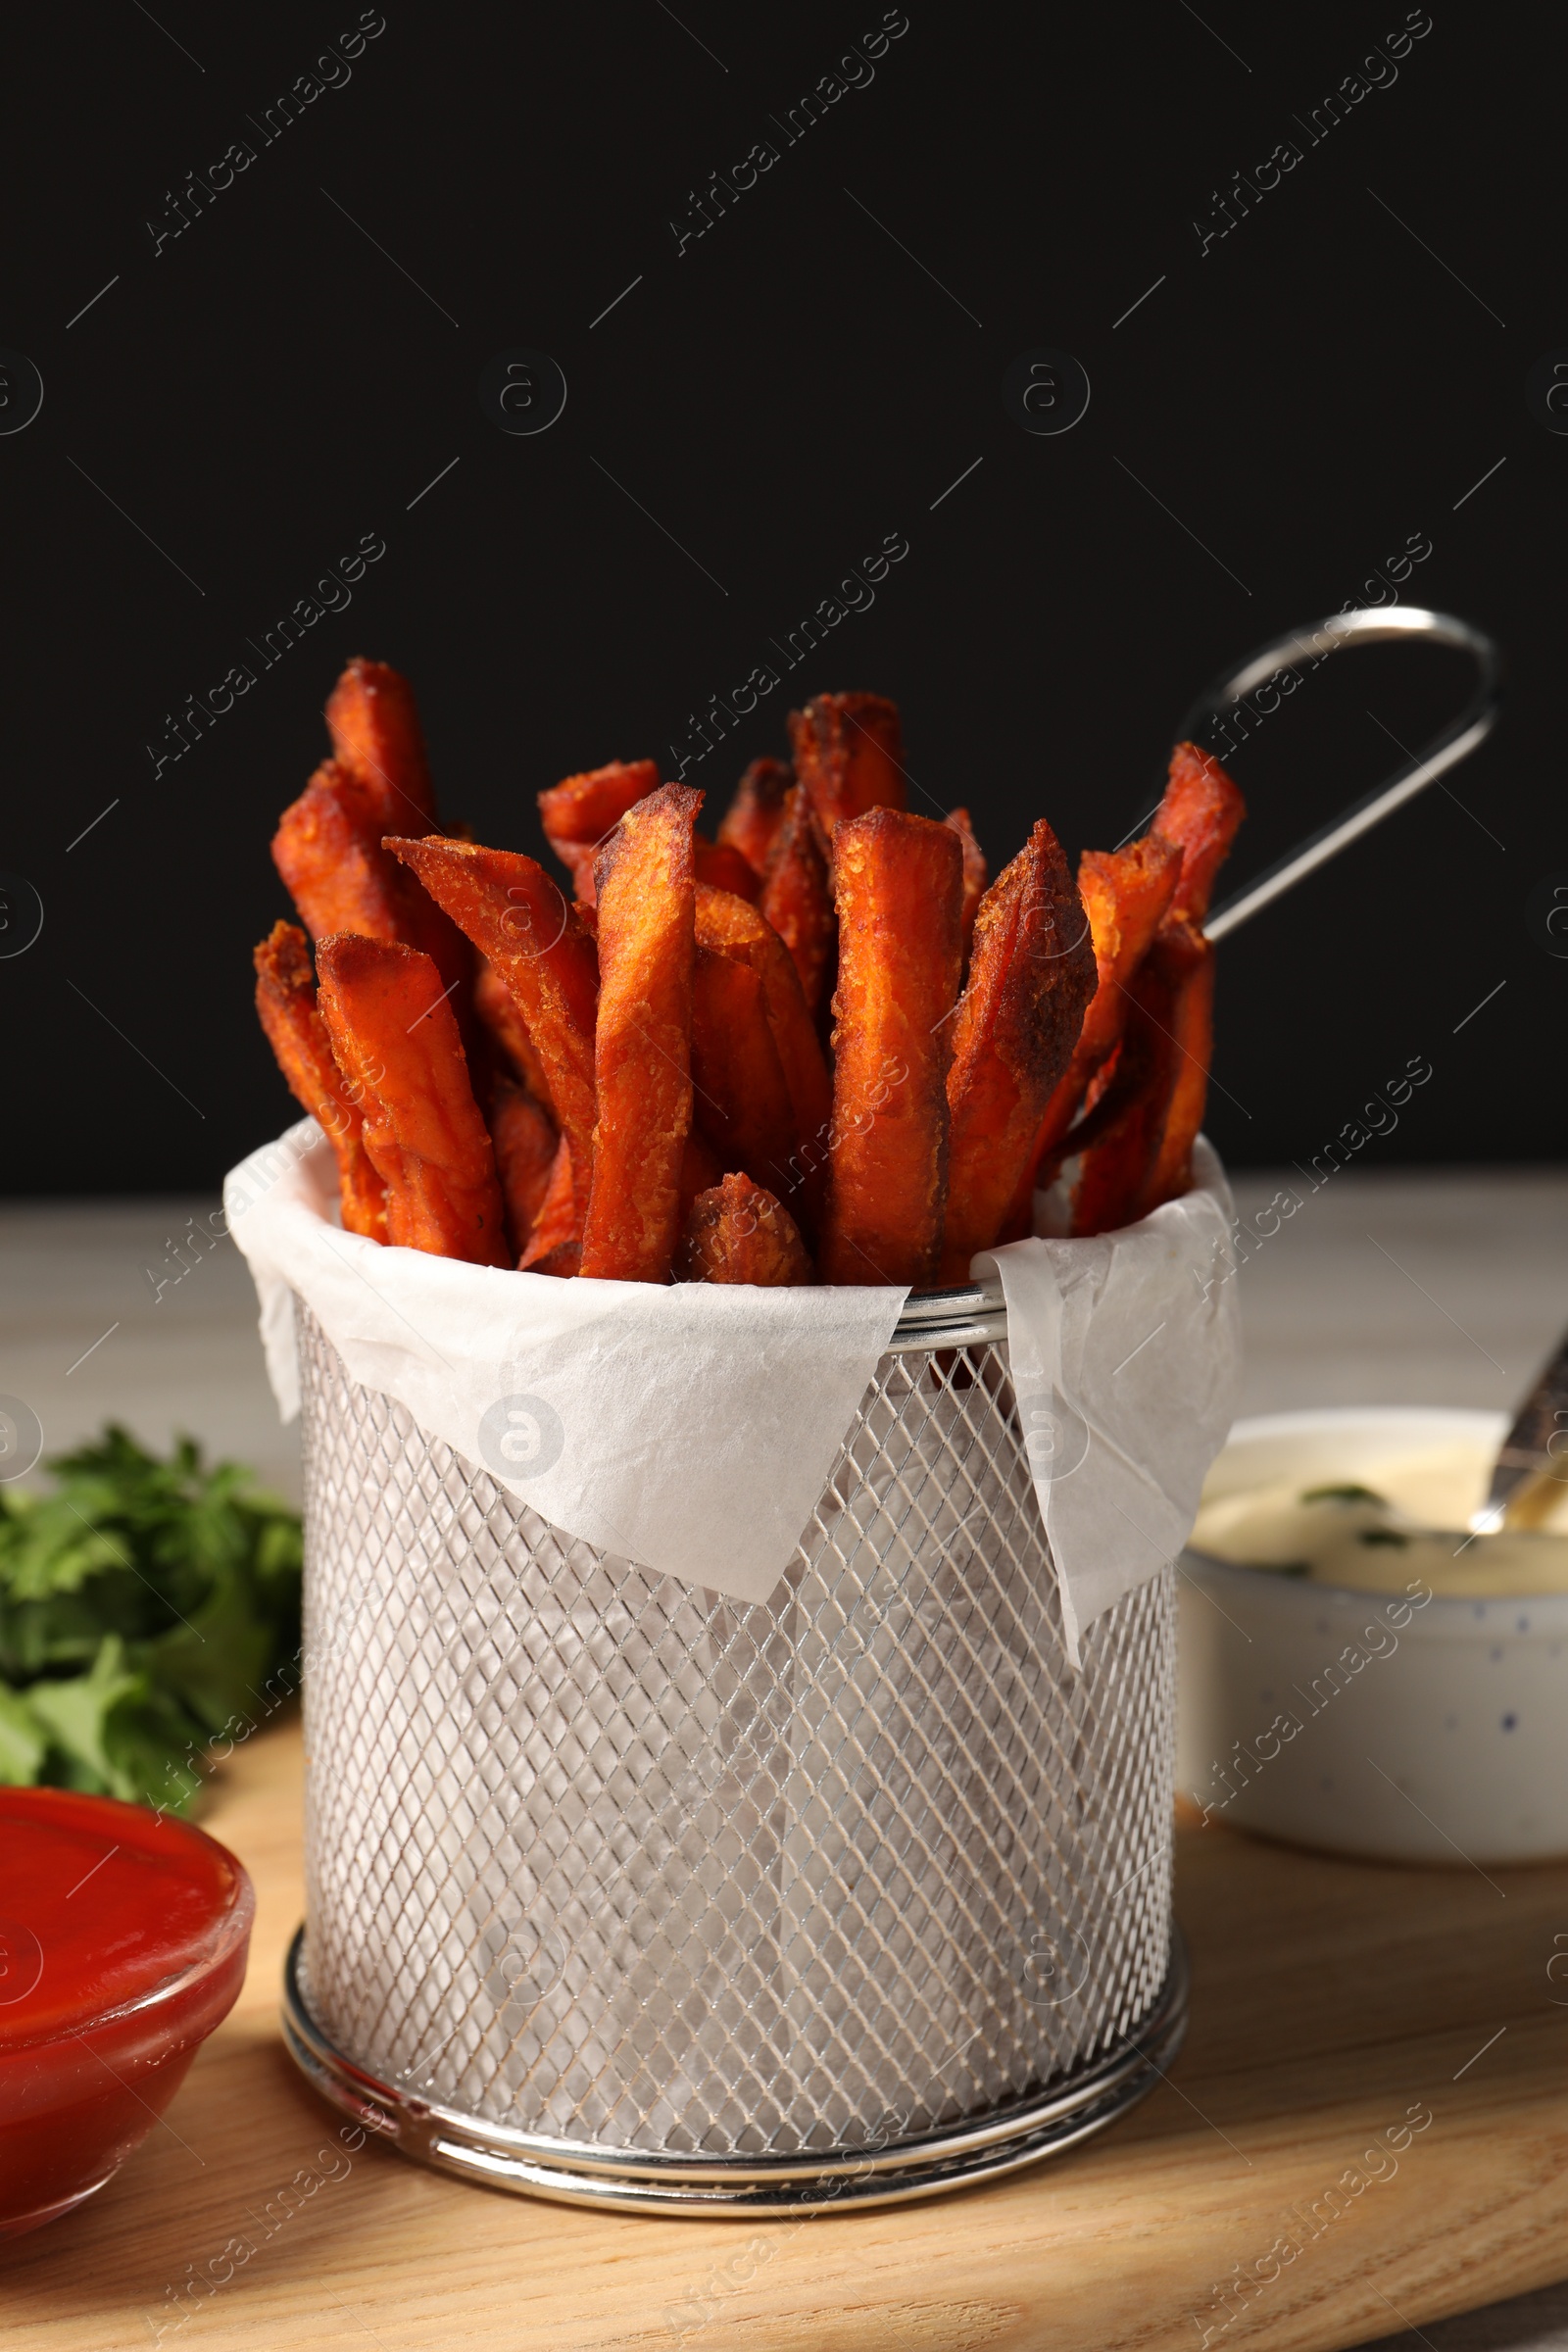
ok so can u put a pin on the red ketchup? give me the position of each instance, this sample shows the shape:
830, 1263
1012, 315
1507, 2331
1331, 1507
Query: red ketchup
122, 1943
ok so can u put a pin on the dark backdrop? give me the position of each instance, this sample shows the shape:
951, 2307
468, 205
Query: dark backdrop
288, 374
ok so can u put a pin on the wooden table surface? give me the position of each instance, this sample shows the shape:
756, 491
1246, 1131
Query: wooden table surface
1329, 1999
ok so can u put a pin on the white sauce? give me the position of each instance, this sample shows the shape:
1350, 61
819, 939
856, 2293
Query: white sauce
1390, 1523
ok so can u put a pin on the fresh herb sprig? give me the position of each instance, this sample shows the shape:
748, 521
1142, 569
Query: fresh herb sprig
143, 1605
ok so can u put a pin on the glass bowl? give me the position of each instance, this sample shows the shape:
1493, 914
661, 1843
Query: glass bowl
122, 1943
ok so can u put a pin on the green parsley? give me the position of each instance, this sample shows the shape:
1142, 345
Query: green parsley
144, 1606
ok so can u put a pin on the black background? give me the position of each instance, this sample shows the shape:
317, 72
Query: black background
1307, 395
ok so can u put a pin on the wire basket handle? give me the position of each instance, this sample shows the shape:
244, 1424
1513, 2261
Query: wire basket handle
1455, 742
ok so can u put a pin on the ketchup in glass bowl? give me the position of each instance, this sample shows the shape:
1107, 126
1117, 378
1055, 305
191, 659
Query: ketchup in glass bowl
123, 1943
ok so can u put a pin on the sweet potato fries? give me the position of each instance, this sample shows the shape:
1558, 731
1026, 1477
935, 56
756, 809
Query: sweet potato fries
629, 1083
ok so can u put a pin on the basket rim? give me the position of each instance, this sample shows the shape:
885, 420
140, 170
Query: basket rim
974, 1311
1052, 2116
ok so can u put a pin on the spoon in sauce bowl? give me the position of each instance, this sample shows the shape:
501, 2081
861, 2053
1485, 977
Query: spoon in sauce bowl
1529, 1476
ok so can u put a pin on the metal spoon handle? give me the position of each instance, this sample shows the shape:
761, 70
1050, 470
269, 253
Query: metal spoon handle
1455, 742
1534, 1452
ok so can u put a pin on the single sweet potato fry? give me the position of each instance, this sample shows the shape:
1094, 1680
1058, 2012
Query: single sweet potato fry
537, 946
1031, 977
647, 898
798, 903
975, 871
395, 1038
741, 1095
285, 1000
723, 868
554, 1245
1125, 894
727, 927
739, 1233
1135, 1142
526, 1144
898, 881
509, 1031
1121, 1133
579, 813
587, 807
1182, 969
328, 849
377, 736
1200, 813
849, 753
754, 817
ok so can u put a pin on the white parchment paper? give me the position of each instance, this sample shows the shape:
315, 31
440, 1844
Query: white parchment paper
691, 1429
1126, 1352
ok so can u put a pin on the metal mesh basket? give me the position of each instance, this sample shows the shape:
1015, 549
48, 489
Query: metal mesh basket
624, 1892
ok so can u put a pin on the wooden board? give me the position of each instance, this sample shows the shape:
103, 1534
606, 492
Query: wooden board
1329, 1998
